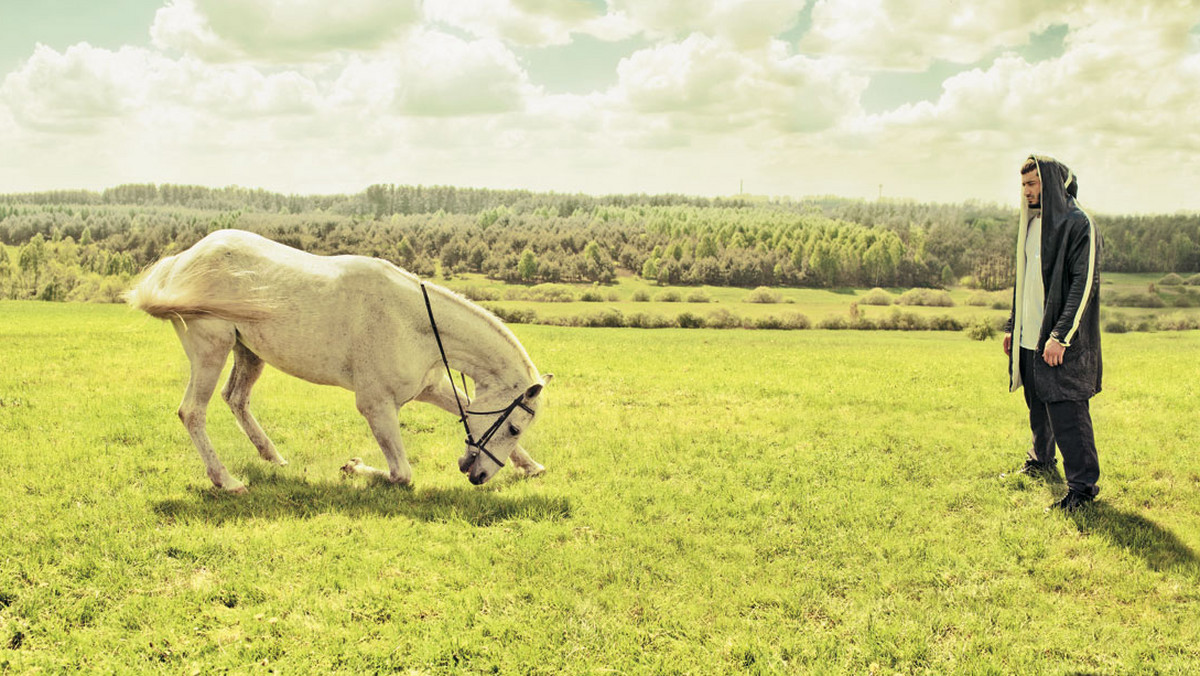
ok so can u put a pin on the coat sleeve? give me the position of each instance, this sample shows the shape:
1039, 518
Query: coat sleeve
1008, 325
1082, 265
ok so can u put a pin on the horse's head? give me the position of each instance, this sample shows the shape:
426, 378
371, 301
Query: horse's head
495, 434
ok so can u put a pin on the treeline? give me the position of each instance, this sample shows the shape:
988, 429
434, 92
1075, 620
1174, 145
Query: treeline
84, 245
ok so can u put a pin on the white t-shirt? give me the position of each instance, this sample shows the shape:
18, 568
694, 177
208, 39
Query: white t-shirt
1033, 305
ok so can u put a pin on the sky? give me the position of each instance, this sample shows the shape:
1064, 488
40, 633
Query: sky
929, 100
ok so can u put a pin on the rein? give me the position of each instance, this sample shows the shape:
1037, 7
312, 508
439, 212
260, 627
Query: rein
481, 445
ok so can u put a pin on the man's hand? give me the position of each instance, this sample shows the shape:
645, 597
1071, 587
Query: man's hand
1008, 344
1052, 353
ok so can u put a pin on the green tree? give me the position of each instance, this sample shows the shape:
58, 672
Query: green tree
527, 268
650, 269
32, 259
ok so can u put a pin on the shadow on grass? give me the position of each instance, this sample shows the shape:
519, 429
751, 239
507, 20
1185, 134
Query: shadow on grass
1157, 546
275, 496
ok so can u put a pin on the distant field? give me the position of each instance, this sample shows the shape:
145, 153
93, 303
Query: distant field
818, 305
715, 502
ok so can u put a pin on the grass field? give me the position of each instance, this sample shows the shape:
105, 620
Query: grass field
630, 295
715, 502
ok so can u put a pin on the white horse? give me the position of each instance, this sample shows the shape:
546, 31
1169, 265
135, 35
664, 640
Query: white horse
356, 322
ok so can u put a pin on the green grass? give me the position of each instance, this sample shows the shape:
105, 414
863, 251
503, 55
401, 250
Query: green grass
819, 305
715, 502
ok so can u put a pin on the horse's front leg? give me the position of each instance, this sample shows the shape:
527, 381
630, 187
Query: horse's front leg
520, 458
381, 415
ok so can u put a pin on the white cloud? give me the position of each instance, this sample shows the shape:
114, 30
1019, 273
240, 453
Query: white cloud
709, 84
744, 23
79, 89
304, 96
437, 74
280, 30
911, 35
531, 23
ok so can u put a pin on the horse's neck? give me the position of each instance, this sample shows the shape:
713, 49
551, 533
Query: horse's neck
479, 345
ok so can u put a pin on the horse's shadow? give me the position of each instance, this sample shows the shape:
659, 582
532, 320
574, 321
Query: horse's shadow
277, 496
1158, 547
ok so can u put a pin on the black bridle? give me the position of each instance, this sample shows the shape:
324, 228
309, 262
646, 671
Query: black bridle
481, 445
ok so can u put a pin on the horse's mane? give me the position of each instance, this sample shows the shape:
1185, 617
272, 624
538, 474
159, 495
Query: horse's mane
489, 318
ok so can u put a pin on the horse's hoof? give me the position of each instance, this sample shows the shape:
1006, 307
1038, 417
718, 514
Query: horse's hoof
239, 489
353, 466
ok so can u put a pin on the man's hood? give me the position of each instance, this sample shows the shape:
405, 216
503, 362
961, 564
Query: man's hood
1060, 186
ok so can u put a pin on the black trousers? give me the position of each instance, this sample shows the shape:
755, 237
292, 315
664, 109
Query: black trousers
1065, 423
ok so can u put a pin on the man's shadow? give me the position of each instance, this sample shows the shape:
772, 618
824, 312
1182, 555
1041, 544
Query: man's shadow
1158, 547
274, 496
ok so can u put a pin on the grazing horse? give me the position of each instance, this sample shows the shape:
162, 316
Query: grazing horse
356, 322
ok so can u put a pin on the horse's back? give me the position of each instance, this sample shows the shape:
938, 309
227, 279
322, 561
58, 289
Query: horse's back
239, 275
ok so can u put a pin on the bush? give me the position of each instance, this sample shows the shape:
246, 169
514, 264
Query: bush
764, 295
944, 323
641, 297
876, 296
770, 322
641, 320
722, 319
1170, 279
591, 297
1185, 299
980, 330
796, 321
926, 298
668, 297
980, 299
513, 316
698, 297
902, 321
1116, 324
551, 293
834, 322
1194, 280
687, 320
1178, 322
606, 319
479, 293
1145, 300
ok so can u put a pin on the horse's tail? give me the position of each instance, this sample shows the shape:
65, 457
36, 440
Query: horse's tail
178, 287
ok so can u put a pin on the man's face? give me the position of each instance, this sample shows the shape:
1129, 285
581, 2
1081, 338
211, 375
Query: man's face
1032, 185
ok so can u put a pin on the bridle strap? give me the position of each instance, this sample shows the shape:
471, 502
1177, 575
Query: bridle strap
462, 413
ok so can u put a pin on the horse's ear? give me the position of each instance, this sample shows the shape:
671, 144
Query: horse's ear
547, 378
534, 390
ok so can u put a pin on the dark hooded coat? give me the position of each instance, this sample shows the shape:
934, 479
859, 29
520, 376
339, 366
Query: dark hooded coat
1071, 249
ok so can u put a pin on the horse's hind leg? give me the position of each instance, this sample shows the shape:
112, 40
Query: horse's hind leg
207, 343
247, 367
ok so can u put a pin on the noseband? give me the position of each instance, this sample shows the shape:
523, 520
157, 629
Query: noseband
481, 445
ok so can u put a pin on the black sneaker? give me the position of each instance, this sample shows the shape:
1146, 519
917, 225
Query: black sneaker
1071, 502
1035, 470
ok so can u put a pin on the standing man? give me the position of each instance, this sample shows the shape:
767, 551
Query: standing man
1056, 322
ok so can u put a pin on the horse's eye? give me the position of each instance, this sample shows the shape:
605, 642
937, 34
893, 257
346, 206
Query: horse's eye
513, 430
